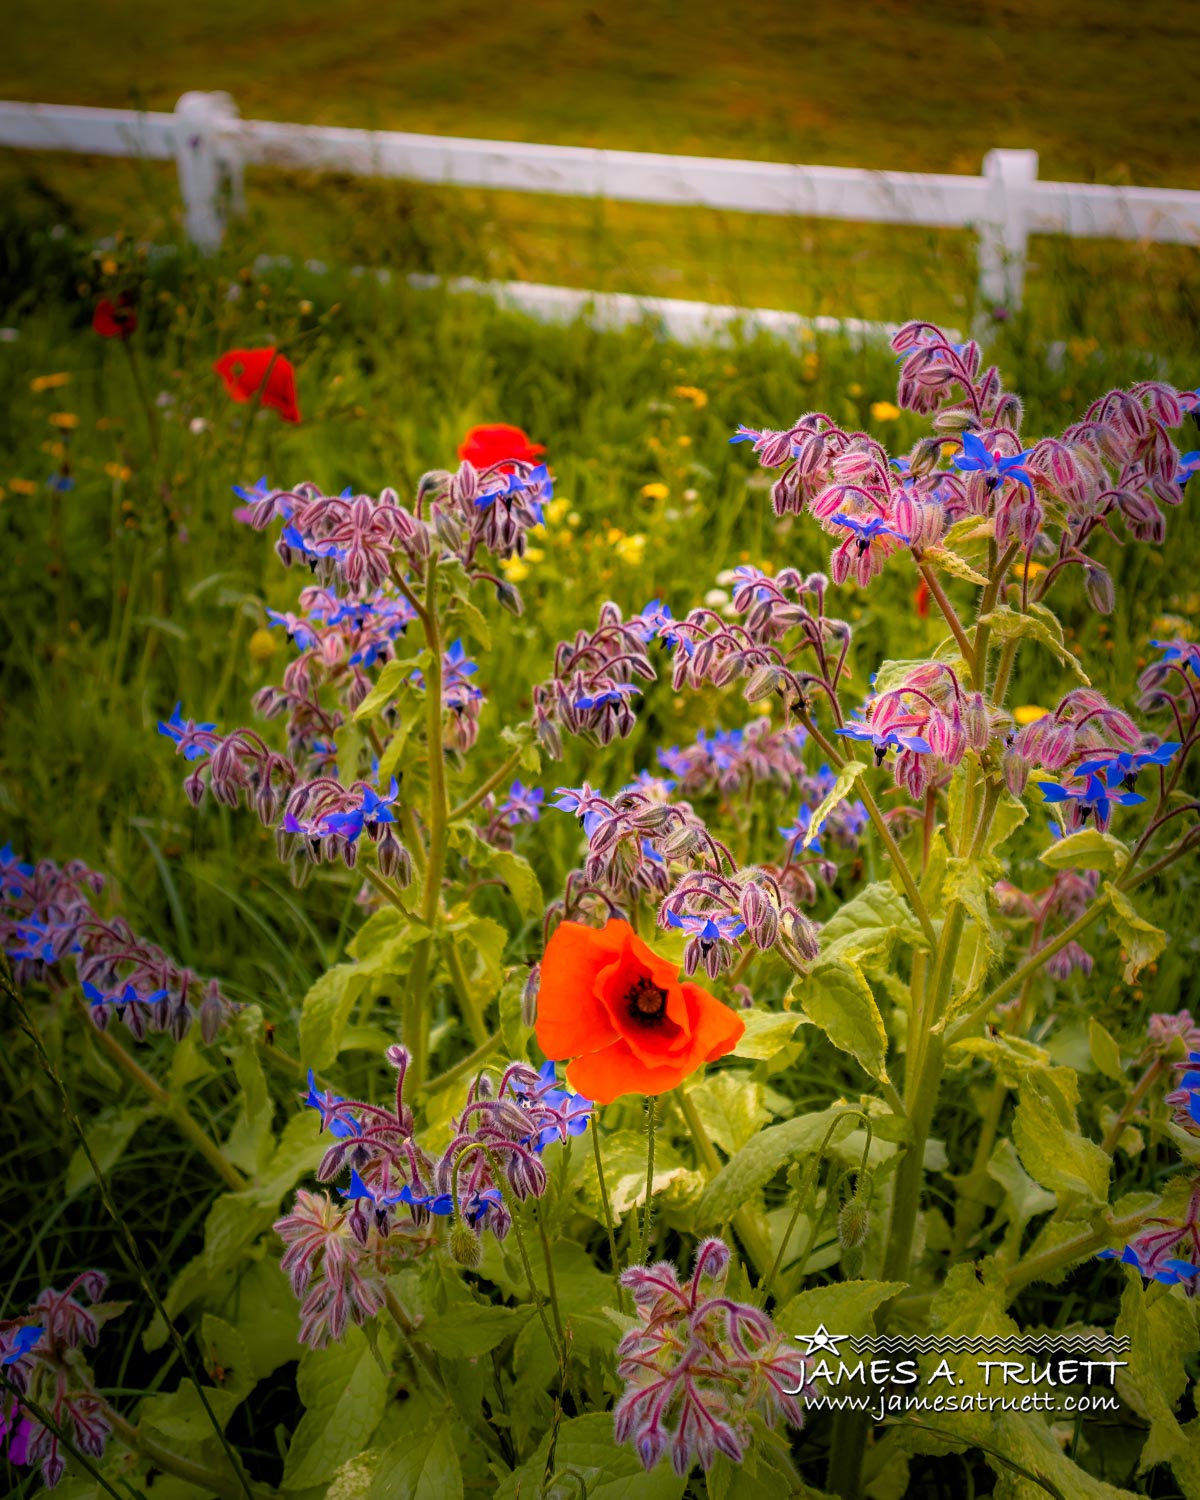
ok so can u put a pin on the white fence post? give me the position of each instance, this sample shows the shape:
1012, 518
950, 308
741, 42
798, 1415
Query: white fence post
1004, 232
210, 165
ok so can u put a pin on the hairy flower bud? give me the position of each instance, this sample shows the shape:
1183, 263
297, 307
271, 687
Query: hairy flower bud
466, 1247
764, 681
853, 1222
1097, 581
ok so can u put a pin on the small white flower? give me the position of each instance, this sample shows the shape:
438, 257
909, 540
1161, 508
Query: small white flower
715, 598
197, 425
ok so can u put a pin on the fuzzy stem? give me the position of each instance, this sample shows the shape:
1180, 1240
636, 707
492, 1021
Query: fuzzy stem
171, 1106
225, 1486
948, 613
758, 1250
651, 1120
608, 1218
1116, 1130
501, 774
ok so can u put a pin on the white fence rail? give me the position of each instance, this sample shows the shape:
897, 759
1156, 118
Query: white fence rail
212, 145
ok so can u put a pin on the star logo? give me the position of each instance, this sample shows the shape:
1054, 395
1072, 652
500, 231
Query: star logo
823, 1341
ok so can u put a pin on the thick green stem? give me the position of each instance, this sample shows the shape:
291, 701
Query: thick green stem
462, 988
502, 773
471, 1061
170, 1106
225, 1486
608, 1218
1033, 1268
758, 1249
1116, 1130
949, 614
416, 1009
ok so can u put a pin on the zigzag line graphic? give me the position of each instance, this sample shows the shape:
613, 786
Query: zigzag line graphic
1047, 1346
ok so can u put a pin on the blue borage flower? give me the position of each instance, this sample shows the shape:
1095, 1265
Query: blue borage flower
658, 623
1189, 464
359, 1189
977, 458
798, 831
1093, 799
615, 692
523, 804
298, 630
865, 532
38, 942
12, 872
1171, 1271
1185, 652
260, 490
474, 1208
120, 998
707, 929
373, 810
745, 434
20, 1343
345, 1127
538, 479
571, 799
177, 727
1120, 768
885, 742
575, 1109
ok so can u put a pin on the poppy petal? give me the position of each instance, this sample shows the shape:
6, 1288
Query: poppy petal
571, 1018
715, 1028
614, 1071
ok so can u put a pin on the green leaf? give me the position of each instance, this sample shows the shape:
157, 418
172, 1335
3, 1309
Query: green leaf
1006, 624
1026, 1198
181, 1418
344, 1392
1105, 1052
584, 1446
957, 567
758, 1161
267, 1317
392, 677
518, 875
1052, 1150
424, 1467
767, 1033
1141, 940
234, 1221
325, 1011
624, 1153
730, 1106
1162, 1336
843, 1306
522, 738
225, 1351
1086, 849
837, 998
870, 925
841, 789
470, 1330
474, 621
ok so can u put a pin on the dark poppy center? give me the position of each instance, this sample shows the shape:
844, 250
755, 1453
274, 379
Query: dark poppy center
646, 1003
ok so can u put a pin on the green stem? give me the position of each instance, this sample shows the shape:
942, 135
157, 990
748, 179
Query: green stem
226, 1486
423, 1356
949, 613
551, 1285
466, 1065
651, 1119
1080, 1247
758, 1249
416, 1010
462, 988
502, 774
170, 1106
39, 1412
1116, 1130
608, 1218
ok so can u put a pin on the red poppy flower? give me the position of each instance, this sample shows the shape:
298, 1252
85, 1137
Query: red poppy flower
921, 599
244, 370
114, 320
484, 446
620, 1011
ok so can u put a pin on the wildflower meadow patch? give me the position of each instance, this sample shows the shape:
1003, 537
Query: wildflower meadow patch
746, 1051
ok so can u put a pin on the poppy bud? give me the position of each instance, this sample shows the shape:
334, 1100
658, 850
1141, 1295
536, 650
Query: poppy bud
853, 1223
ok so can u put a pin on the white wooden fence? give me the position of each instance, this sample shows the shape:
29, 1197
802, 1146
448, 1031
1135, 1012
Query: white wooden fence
211, 145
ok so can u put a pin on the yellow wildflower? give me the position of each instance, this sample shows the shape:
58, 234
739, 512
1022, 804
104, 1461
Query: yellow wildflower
118, 471
631, 549
683, 440
55, 450
556, 510
48, 382
694, 394
655, 491
884, 411
1029, 713
534, 554
515, 569
22, 486
854, 389
108, 266
306, 307
67, 421
262, 646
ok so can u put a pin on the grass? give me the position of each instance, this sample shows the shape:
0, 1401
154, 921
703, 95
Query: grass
885, 91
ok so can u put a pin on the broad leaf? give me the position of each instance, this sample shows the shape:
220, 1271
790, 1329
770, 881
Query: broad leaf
1141, 940
842, 787
870, 925
758, 1161
1006, 624
343, 1390
837, 998
1052, 1150
1086, 849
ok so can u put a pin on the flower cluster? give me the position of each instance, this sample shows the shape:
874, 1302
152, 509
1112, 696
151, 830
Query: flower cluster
42, 1357
731, 760
594, 682
47, 916
699, 1364
338, 1255
1065, 899
325, 820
